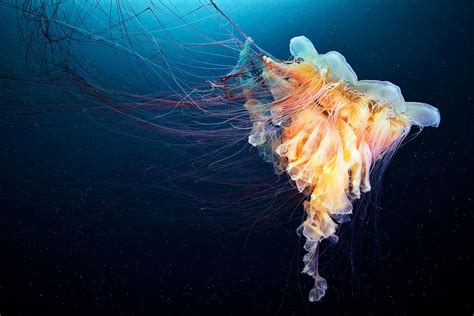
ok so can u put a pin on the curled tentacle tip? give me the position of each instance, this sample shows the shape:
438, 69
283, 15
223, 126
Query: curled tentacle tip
318, 291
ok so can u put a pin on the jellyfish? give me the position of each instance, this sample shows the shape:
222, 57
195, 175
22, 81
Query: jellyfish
315, 121
309, 117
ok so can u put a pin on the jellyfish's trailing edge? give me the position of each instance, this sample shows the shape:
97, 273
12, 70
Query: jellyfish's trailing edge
313, 119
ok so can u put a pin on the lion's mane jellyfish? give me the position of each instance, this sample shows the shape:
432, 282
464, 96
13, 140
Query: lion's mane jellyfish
315, 121
310, 117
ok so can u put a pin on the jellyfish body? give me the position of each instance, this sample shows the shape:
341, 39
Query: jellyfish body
326, 130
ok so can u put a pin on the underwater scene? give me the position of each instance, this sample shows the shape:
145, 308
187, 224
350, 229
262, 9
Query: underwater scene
223, 157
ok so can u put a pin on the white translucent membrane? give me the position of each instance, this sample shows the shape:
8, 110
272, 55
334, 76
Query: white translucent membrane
338, 66
302, 48
384, 91
420, 114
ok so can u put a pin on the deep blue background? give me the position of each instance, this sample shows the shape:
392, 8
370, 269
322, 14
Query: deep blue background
82, 231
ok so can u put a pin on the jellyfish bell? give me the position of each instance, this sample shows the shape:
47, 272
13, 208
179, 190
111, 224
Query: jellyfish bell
301, 48
332, 130
422, 114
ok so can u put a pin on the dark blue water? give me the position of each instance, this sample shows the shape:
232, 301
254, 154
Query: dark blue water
97, 217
